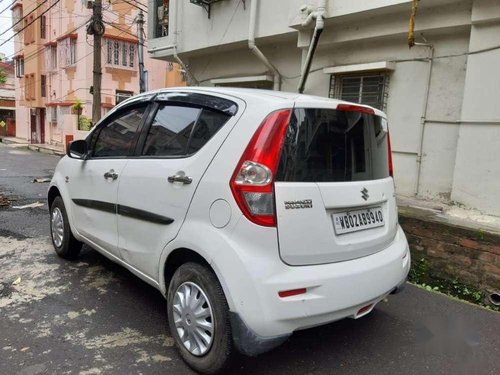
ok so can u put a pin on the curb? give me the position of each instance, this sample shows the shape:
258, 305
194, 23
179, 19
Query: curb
6, 141
44, 150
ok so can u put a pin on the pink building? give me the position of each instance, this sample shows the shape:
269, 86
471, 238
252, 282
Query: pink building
54, 66
7, 99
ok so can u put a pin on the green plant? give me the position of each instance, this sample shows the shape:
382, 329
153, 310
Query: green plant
419, 270
420, 275
77, 106
84, 123
3, 76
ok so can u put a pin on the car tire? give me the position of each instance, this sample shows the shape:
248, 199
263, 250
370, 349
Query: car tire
196, 283
65, 244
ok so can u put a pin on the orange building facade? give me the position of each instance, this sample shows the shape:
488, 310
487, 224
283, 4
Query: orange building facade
54, 66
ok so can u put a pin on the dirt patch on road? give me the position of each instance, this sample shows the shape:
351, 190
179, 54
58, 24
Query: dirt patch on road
4, 201
48, 302
27, 271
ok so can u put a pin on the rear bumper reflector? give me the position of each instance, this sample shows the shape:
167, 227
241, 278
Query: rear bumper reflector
293, 292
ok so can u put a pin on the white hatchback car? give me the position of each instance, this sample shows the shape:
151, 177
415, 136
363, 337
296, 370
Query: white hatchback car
255, 213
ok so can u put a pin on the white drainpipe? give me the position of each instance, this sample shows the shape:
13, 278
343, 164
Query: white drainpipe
318, 15
256, 51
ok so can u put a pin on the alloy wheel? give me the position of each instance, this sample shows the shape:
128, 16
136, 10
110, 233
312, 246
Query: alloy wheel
193, 318
57, 227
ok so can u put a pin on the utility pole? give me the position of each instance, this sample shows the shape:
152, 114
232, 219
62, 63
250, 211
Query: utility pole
140, 51
96, 28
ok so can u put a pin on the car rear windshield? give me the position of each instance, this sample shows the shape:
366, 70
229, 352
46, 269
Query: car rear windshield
325, 145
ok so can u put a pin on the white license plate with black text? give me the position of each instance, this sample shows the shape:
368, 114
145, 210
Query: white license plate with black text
355, 220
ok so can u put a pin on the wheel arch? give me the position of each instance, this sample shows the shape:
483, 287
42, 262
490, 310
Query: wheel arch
52, 194
182, 255
56, 191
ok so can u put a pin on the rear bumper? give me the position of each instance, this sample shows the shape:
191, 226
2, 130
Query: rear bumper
334, 291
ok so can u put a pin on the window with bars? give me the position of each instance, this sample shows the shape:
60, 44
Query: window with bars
19, 67
122, 95
43, 85
53, 115
43, 27
369, 89
120, 54
56, 113
67, 50
162, 18
52, 57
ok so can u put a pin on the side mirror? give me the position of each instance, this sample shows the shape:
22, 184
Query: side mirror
78, 149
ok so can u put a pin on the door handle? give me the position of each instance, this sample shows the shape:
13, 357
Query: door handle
180, 178
111, 174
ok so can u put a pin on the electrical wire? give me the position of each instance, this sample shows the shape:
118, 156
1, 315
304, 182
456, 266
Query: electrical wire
23, 18
32, 22
124, 31
131, 4
42, 49
81, 79
7, 7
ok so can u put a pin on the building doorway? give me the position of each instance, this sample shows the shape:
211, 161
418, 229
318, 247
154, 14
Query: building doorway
37, 125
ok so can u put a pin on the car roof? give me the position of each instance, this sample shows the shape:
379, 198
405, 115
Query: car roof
246, 93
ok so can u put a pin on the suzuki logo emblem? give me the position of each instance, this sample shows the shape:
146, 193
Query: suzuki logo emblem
364, 194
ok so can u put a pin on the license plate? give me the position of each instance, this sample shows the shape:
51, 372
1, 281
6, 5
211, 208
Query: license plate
355, 220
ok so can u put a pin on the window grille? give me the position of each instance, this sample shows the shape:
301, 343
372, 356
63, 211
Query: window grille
120, 54
369, 89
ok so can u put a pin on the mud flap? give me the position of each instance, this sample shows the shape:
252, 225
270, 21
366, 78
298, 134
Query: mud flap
248, 342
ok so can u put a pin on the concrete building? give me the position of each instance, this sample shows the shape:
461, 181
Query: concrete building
54, 66
442, 98
7, 98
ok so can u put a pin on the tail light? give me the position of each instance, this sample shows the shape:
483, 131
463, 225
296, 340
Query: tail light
252, 182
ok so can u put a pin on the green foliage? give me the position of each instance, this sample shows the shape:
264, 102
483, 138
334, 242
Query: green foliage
420, 275
84, 123
77, 106
3, 76
419, 271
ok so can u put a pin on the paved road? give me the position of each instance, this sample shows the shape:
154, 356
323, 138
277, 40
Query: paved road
93, 317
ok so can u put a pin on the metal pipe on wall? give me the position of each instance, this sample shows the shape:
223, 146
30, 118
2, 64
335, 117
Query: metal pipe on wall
423, 118
318, 14
256, 51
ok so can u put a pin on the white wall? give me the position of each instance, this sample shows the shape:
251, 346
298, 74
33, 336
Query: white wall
458, 155
477, 170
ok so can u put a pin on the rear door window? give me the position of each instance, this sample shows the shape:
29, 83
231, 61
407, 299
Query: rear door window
325, 145
179, 131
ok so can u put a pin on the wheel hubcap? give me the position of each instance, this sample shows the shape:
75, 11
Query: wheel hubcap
193, 318
57, 227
